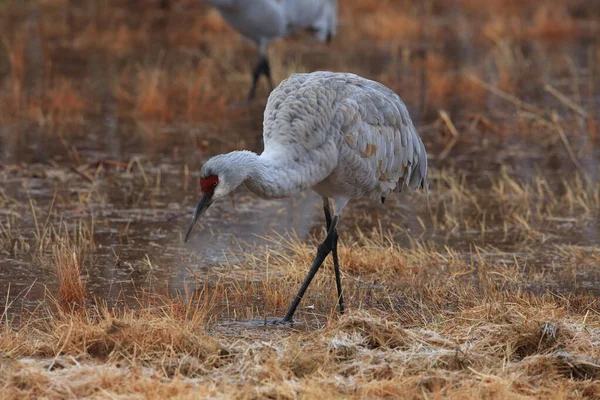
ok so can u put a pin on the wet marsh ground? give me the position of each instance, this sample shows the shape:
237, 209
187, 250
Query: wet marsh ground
107, 111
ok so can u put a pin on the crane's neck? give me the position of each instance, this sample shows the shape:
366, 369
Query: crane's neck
280, 172
276, 177
269, 176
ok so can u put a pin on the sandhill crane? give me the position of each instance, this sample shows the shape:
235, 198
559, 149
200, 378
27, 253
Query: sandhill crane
263, 21
344, 136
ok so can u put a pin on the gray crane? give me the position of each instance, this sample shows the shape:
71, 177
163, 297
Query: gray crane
342, 135
263, 21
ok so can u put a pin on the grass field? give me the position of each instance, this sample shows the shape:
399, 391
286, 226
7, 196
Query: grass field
107, 111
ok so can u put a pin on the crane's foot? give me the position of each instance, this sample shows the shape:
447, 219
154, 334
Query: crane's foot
283, 322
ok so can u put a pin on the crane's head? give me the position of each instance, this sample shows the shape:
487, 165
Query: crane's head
220, 176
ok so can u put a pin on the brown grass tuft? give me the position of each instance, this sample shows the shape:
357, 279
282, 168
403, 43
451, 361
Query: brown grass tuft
552, 22
152, 100
375, 331
390, 26
64, 103
67, 266
16, 56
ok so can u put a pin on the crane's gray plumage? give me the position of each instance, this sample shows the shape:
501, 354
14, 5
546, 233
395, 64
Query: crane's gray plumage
359, 127
263, 21
317, 15
258, 20
344, 136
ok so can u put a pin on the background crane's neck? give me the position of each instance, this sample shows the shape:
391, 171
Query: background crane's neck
221, 4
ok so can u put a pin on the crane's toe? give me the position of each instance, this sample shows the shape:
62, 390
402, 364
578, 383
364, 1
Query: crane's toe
282, 322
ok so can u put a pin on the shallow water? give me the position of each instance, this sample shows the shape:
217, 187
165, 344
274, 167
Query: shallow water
138, 226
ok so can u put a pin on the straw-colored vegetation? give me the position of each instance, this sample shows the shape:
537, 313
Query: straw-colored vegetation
489, 296
446, 325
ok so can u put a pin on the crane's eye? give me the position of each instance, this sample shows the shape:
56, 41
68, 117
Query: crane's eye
209, 183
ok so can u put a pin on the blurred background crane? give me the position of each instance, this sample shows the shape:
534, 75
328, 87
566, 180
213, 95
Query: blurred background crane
263, 21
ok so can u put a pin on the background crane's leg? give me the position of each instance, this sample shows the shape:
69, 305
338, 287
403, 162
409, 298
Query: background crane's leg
267, 72
255, 76
322, 251
336, 262
262, 68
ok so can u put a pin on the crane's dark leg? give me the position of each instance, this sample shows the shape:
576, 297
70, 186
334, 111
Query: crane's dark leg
336, 262
262, 67
322, 251
338, 275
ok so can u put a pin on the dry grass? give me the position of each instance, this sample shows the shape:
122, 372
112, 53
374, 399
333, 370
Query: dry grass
152, 101
67, 266
518, 206
441, 336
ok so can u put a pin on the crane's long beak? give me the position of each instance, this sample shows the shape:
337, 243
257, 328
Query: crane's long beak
202, 206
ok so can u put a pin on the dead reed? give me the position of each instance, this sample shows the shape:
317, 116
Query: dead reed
67, 266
